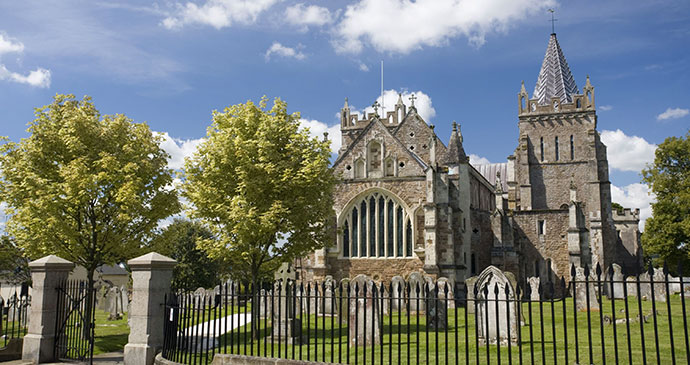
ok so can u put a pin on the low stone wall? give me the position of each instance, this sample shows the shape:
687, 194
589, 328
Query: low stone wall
228, 359
13, 350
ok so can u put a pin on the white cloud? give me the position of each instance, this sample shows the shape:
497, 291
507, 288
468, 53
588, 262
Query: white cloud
635, 196
317, 128
422, 102
401, 26
178, 149
8, 45
363, 67
627, 153
605, 108
305, 16
217, 13
283, 51
673, 113
39, 77
476, 160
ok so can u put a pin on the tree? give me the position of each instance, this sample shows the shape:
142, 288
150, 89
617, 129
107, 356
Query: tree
667, 232
263, 186
194, 268
87, 188
14, 267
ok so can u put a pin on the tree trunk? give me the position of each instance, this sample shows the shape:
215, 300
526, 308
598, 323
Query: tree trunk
89, 306
256, 303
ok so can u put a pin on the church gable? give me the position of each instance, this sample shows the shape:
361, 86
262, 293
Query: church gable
376, 153
418, 137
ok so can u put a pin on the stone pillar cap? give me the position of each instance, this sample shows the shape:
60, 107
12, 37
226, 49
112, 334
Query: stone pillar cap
152, 260
51, 263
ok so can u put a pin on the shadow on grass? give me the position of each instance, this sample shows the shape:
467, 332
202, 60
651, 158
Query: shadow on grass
110, 343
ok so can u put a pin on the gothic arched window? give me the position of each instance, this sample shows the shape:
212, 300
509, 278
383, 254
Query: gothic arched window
377, 225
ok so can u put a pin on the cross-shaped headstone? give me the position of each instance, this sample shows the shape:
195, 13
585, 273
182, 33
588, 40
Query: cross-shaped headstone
376, 107
412, 99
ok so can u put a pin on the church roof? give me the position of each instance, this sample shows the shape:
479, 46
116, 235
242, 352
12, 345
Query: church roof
555, 79
495, 172
455, 154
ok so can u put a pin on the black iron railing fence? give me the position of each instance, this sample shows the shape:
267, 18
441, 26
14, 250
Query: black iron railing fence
596, 317
14, 315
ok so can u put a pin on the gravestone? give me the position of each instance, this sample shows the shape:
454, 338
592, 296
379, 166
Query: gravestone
263, 303
416, 282
436, 311
496, 324
341, 298
398, 293
328, 306
674, 285
446, 293
124, 298
112, 304
659, 292
284, 311
631, 286
470, 284
585, 290
616, 282
533, 283
365, 316
101, 295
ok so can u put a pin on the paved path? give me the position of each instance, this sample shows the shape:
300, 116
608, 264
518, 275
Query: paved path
218, 326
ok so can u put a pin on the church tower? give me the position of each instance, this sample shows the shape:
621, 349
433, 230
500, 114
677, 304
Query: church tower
560, 169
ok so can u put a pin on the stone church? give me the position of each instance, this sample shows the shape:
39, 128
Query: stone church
407, 202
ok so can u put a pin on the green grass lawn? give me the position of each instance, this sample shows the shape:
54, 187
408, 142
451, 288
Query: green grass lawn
110, 336
538, 342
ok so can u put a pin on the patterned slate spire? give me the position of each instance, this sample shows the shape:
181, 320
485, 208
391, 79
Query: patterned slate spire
555, 78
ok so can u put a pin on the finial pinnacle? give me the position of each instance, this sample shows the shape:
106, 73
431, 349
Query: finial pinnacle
347, 105
455, 127
553, 21
376, 106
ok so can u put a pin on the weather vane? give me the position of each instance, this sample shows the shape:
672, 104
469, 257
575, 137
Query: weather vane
553, 21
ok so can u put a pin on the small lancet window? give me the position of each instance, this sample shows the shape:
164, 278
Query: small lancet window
572, 147
557, 152
541, 148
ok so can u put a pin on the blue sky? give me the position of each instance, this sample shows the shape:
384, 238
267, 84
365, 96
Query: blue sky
170, 63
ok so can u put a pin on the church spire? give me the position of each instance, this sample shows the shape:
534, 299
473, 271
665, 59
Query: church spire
456, 153
555, 79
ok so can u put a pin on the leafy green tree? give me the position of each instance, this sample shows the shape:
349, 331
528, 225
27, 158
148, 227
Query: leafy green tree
14, 266
262, 185
667, 232
86, 187
194, 268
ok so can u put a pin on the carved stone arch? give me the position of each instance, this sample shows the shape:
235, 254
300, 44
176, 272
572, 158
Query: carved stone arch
381, 225
375, 158
360, 168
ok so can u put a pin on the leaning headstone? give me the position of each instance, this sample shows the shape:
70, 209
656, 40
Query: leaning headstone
496, 323
469, 284
416, 282
585, 290
286, 326
398, 293
365, 315
617, 282
533, 283
447, 291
